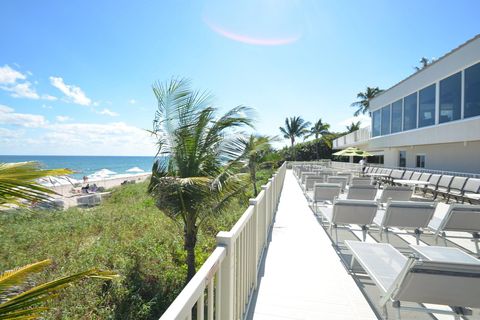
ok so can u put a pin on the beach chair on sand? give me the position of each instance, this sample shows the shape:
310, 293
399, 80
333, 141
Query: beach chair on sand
324, 193
408, 215
453, 283
343, 212
362, 192
459, 218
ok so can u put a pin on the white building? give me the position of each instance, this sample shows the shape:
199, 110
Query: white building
431, 119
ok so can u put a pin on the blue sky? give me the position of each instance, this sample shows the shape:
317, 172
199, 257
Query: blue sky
76, 76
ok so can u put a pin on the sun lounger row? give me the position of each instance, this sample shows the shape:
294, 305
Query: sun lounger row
448, 186
407, 215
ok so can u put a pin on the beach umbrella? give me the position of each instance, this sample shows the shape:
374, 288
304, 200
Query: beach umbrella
352, 152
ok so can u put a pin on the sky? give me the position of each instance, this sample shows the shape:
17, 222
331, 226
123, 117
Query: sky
76, 76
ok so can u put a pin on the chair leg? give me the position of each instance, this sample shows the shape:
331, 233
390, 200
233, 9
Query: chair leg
418, 232
364, 232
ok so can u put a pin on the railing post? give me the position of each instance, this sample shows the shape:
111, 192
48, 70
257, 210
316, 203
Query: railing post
253, 203
267, 210
227, 276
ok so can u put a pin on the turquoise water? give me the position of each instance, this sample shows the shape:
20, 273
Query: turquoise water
87, 165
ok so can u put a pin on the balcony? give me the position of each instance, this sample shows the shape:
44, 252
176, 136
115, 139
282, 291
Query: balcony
352, 139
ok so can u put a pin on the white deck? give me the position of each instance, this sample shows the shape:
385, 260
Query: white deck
304, 277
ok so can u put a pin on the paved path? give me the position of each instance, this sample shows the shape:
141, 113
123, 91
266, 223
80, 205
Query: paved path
304, 278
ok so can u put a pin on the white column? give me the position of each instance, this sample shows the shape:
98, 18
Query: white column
227, 275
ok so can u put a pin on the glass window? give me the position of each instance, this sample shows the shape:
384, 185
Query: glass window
385, 120
397, 116
420, 161
410, 112
472, 91
402, 159
426, 106
450, 98
376, 120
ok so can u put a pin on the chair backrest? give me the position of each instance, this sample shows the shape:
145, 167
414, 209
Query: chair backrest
434, 178
407, 175
368, 169
461, 217
445, 181
345, 174
408, 214
458, 183
374, 169
388, 171
416, 176
361, 181
362, 192
444, 283
354, 211
338, 179
304, 175
397, 174
396, 193
326, 191
472, 186
311, 180
425, 176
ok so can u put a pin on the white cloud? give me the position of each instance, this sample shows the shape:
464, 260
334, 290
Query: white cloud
63, 118
108, 112
9, 75
74, 93
132, 101
9, 81
44, 106
22, 90
10, 117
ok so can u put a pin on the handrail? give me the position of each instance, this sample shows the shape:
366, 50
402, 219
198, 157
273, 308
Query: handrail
230, 274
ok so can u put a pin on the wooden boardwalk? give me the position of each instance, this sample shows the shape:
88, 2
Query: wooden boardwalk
303, 276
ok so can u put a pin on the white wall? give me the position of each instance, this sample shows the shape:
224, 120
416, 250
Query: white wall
461, 157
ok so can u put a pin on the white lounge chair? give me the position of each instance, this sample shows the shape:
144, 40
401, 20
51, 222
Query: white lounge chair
459, 218
471, 190
361, 181
454, 283
311, 180
324, 193
396, 193
338, 179
362, 192
343, 212
405, 215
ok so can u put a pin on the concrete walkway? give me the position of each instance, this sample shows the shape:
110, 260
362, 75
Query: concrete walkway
304, 277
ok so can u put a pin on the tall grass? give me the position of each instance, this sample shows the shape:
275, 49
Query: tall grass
126, 234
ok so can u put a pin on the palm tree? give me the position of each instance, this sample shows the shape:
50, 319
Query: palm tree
18, 183
15, 304
354, 126
18, 187
424, 62
363, 104
196, 174
295, 127
256, 149
319, 129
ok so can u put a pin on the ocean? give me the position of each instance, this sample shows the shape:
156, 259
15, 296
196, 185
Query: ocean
92, 166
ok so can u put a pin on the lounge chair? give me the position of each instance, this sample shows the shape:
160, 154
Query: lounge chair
359, 212
325, 192
416, 176
338, 179
362, 192
409, 215
395, 174
361, 181
399, 279
460, 218
443, 186
311, 180
433, 180
408, 175
456, 188
396, 193
471, 190
348, 175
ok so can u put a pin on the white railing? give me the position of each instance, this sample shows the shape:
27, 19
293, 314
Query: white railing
361, 135
223, 287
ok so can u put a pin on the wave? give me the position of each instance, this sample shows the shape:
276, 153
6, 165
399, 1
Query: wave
135, 170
